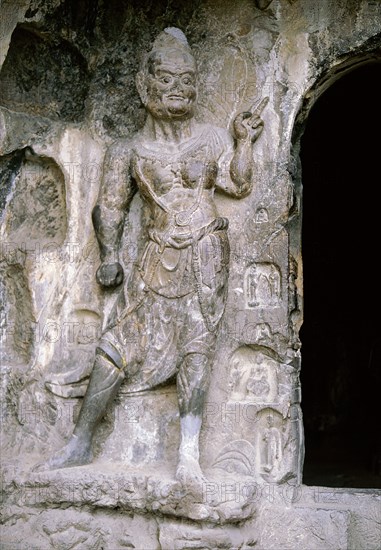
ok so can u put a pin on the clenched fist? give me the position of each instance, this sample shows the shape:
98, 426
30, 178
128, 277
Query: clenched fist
110, 275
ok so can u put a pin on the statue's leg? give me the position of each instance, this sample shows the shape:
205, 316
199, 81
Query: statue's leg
192, 381
105, 380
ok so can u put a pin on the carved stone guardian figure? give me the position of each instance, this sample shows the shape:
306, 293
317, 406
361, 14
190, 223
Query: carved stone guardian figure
165, 320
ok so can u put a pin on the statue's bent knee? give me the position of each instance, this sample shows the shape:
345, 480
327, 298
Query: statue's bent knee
196, 362
109, 352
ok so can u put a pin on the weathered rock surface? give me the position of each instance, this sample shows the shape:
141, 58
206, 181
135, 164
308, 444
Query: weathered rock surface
67, 91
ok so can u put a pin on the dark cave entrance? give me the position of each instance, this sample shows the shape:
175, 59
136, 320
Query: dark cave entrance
341, 247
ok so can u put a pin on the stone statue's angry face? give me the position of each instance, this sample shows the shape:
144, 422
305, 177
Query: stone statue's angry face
171, 84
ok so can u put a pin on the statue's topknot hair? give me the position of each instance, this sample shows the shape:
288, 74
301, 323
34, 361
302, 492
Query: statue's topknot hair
171, 38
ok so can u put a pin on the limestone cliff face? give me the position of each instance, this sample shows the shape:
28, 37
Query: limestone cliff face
67, 91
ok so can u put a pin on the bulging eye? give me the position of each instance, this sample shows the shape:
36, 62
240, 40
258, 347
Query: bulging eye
166, 79
187, 81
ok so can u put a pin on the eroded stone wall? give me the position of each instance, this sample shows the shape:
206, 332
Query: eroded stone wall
67, 91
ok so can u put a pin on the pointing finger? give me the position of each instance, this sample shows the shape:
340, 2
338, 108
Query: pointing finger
258, 107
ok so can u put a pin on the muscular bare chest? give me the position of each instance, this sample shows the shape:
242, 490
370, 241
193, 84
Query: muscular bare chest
170, 172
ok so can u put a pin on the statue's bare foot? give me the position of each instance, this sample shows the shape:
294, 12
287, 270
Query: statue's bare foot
190, 475
74, 453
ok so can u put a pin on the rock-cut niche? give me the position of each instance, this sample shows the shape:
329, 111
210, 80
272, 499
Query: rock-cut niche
43, 75
33, 223
341, 333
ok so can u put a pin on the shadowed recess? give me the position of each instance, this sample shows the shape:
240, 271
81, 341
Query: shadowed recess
341, 336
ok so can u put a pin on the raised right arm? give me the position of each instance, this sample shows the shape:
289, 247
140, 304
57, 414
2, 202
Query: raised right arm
115, 196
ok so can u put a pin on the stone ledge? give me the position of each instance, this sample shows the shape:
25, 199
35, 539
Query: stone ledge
67, 503
222, 500
108, 485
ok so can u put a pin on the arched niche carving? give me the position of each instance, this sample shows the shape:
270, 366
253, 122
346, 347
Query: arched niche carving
322, 422
33, 228
43, 75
